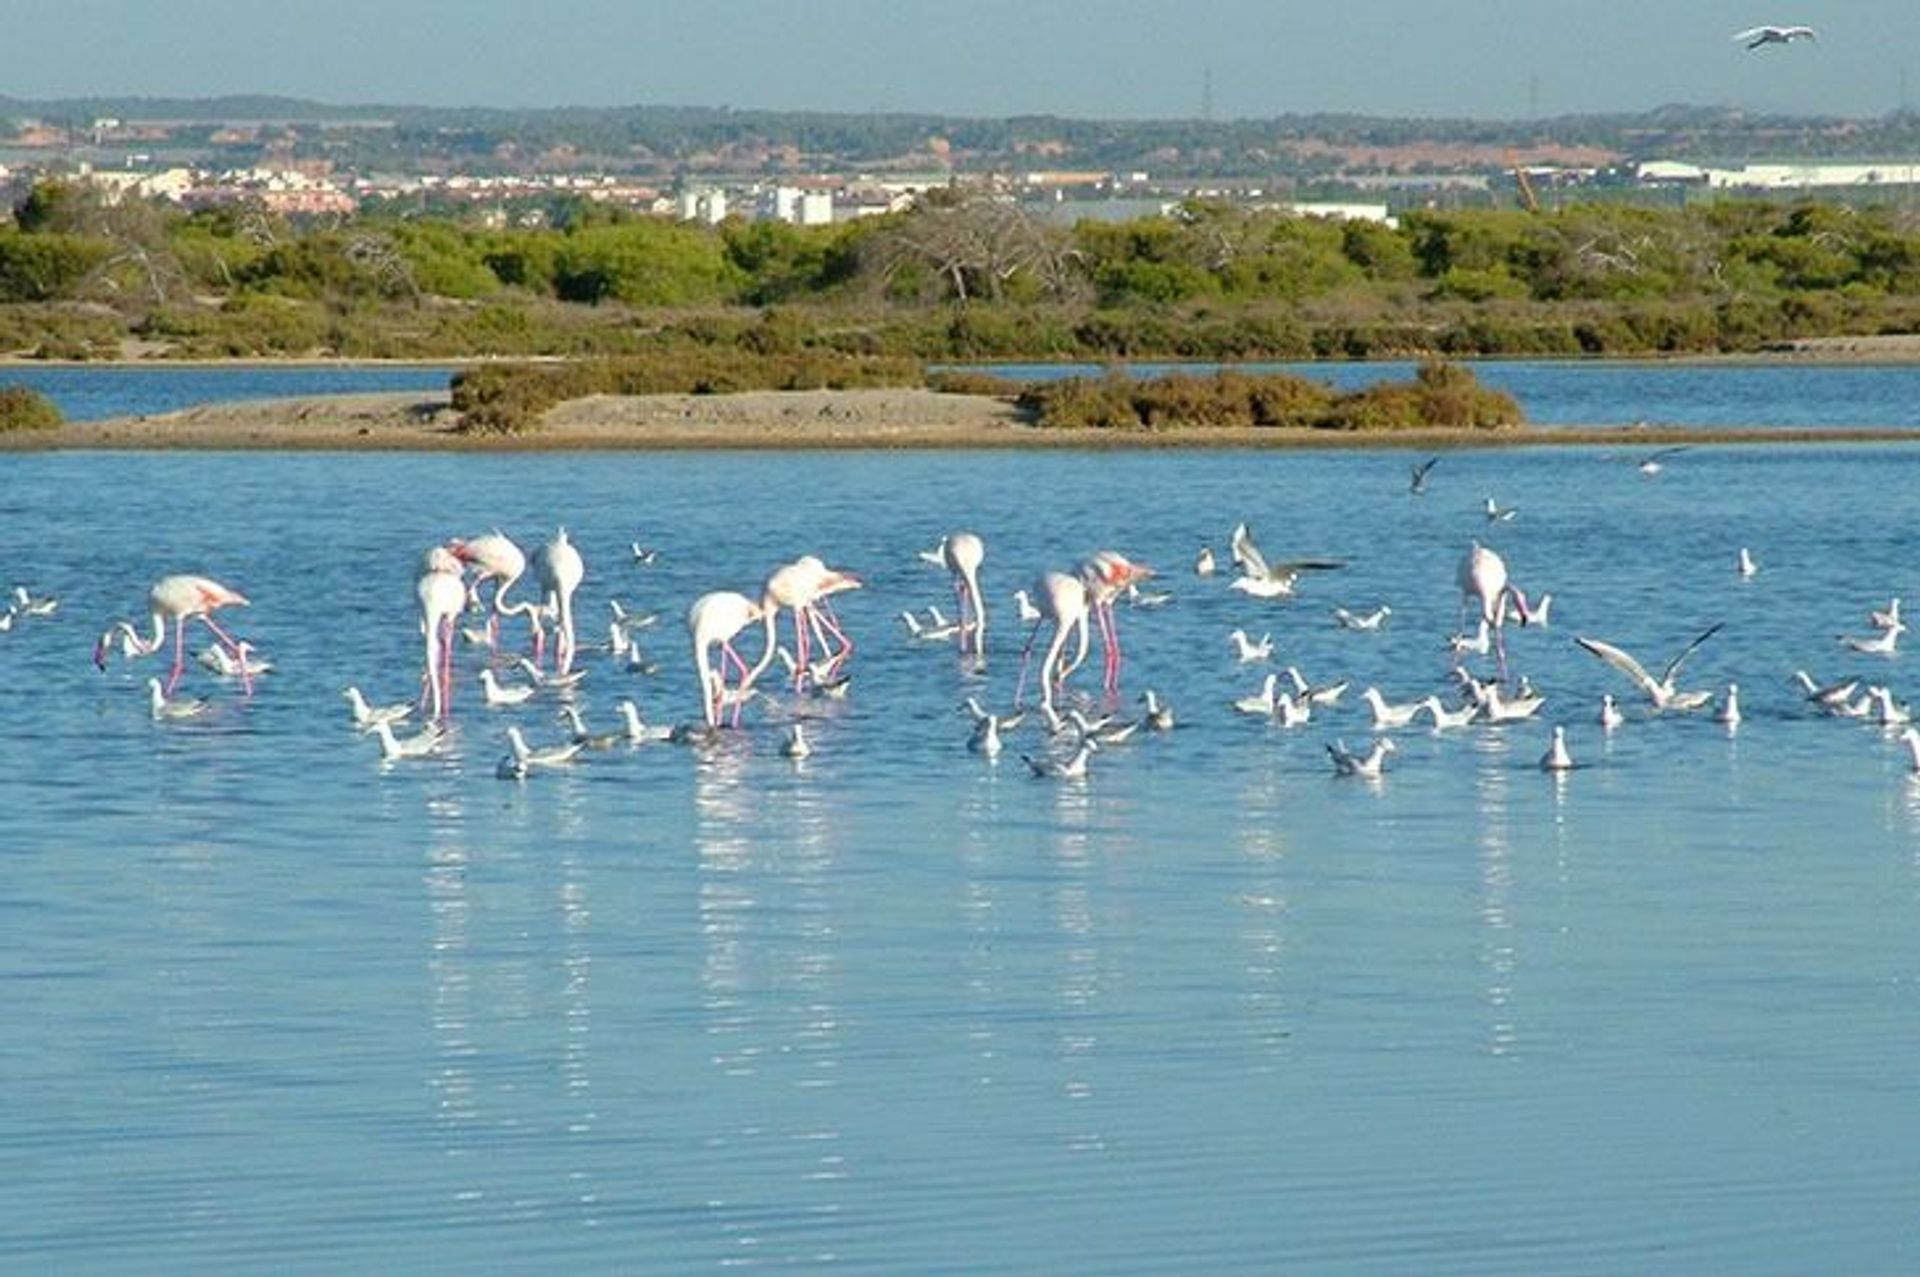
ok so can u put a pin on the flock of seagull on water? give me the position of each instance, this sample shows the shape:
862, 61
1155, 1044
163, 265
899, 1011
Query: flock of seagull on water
464, 592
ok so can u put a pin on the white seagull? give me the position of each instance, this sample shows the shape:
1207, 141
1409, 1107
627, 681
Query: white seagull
173, 710
1885, 643
1367, 766
1325, 694
577, 729
985, 740
1264, 580
1073, 768
1203, 562
1501, 708
639, 731
1386, 716
366, 716
1610, 715
1889, 619
27, 604
1290, 712
1831, 697
1159, 714
1557, 758
1912, 738
241, 663
1497, 513
1730, 706
1368, 621
499, 694
1661, 691
1029, 614
1445, 719
1745, 565
419, 745
1754, 37
528, 758
1887, 711
795, 745
1262, 704
1247, 650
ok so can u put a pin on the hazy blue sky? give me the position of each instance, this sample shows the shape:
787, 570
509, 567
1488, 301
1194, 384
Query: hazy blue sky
979, 57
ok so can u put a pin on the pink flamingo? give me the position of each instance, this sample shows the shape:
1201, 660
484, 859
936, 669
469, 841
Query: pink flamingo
1483, 576
713, 621
442, 594
1107, 575
1063, 601
804, 586
496, 558
963, 553
561, 570
178, 599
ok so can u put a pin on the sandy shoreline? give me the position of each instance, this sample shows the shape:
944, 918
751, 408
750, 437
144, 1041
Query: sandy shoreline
413, 421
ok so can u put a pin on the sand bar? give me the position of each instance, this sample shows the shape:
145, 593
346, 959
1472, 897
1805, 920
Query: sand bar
413, 421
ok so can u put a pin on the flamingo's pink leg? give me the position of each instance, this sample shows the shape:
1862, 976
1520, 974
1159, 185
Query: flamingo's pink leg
179, 653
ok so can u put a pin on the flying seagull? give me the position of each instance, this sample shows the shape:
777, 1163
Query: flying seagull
1418, 484
1754, 37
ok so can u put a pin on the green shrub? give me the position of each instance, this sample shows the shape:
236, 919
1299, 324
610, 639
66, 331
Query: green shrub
24, 409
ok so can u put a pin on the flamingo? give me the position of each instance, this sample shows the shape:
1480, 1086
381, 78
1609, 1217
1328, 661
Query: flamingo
713, 621
1483, 576
442, 594
1063, 601
178, 599
803, 586
963, 553
560, 569
1107, 575
498, 559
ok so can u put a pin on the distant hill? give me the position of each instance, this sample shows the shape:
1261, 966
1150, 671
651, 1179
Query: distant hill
657, 138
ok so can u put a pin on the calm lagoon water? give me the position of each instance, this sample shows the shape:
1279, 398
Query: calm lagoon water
272, 1004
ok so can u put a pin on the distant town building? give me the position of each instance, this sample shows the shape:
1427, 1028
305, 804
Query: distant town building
703, 204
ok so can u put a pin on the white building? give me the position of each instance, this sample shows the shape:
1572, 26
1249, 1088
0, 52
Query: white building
703, 204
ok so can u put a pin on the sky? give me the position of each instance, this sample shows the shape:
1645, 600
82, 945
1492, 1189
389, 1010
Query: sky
1126, 59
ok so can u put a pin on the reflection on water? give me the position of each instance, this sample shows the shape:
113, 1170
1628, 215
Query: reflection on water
1499, 945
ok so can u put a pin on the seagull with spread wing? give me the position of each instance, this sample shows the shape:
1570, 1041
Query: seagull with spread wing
1265, 580
1754, 37
1662, 691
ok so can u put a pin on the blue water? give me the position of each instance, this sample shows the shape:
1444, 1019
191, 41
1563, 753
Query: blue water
86, 393
271, 1003
1552, 392
1597, 393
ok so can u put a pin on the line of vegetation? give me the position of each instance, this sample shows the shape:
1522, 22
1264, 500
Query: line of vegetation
962, 276
513, 398
22, 408
1441, 395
